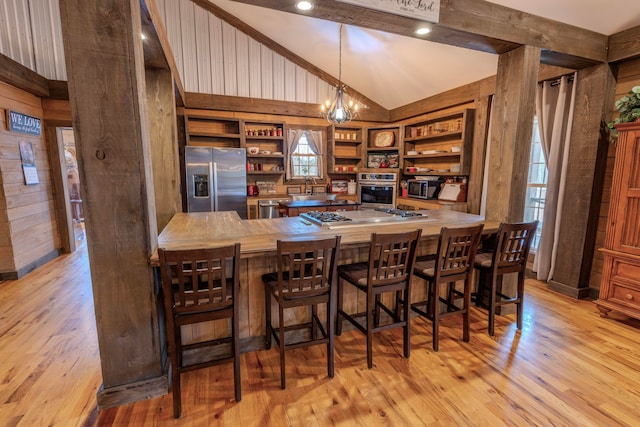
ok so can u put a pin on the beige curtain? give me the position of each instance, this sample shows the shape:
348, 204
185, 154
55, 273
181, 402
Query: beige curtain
555, 102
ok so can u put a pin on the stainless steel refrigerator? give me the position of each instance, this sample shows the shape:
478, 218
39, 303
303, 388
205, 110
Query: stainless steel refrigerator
216, 180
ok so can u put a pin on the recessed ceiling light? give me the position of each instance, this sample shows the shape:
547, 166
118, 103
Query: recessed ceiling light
143, 36
423, 30
304, 5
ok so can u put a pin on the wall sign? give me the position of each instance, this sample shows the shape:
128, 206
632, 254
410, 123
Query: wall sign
28, 163
22, 123
420, 9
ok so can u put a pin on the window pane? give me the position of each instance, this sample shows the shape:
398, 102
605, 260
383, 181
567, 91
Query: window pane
304, 160
536, 184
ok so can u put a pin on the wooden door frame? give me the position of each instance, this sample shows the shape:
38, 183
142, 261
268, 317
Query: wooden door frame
57, 162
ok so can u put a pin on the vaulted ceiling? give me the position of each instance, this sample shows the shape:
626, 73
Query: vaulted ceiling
395, 70
388, 68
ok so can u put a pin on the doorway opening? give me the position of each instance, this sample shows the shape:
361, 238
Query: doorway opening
73, 183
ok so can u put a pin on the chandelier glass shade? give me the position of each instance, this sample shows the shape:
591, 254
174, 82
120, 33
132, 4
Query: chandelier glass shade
339, 110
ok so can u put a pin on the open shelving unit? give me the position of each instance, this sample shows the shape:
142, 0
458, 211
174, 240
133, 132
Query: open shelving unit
439, 146
345, 150
383, 148
268, 140
213, 131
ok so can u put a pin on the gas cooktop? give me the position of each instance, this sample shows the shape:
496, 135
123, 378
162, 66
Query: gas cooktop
360, 217
324, 217
399, 212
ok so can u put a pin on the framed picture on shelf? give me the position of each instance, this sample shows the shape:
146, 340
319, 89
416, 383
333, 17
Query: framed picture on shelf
375, 159
319, 189
383, 160
393, 160
339, 186
384, 138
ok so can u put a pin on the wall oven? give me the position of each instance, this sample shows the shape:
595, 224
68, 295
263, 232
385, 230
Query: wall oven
377, 190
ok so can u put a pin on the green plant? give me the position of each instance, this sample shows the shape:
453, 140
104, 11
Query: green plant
628, 108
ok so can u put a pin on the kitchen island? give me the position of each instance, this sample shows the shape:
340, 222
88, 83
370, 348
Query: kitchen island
258, 247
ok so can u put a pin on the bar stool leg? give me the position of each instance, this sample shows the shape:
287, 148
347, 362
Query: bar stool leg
466, 305
370, 323
520, 303
406, 317
267, 310
331, 316
338, 314
492, 307
236, 355
281, 347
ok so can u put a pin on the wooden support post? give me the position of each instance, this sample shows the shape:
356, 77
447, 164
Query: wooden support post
164, 144
107, 94
595, 88
510, 141
510, 137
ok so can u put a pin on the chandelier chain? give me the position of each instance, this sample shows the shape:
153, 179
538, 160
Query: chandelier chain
340, 57
339, 111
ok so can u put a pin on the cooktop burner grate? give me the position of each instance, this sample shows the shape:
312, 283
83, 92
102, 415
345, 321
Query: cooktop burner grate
325, 217
399, 212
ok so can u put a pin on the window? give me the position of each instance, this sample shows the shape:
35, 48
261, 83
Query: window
305, 154
304, 160
536, 184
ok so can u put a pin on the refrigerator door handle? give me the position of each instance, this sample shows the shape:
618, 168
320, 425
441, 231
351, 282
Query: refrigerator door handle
213, 170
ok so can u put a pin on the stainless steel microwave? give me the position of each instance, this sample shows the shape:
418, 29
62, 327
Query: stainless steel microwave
424, 189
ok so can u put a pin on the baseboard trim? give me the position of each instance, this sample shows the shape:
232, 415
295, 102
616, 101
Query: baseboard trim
578, 293
18, 274
132, 392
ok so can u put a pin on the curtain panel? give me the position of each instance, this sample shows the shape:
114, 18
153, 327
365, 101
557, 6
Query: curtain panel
555, 104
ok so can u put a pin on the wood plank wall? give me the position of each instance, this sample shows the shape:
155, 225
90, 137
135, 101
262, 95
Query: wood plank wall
628, 76
31, 35
215, 58
28, 229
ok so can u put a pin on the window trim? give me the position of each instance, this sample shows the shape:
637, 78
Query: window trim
322, 156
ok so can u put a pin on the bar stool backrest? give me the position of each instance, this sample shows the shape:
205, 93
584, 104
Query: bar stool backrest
391, 257
198, 280
456, 251
306, 267
513, 245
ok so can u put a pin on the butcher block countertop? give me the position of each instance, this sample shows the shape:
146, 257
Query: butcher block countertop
259, 236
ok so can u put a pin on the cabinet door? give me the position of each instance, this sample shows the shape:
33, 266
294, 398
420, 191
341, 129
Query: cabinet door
627, 227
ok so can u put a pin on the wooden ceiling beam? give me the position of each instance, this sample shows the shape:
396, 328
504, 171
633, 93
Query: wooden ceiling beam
624, 45
270, 106
17, 75
495, 21
471, 24
283, 51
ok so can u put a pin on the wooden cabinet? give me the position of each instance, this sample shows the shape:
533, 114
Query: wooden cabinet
345, 151
212, 131
439, 146
285, 210
265, 147
383, 148
620, 286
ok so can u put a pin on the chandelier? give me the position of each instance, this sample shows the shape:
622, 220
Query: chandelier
339, 111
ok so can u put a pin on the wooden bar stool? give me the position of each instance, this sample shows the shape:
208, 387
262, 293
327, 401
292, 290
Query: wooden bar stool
513, 242
305, 276
452, 262
391, 259
200, 285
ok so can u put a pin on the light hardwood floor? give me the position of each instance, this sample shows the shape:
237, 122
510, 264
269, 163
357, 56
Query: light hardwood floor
568, 367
